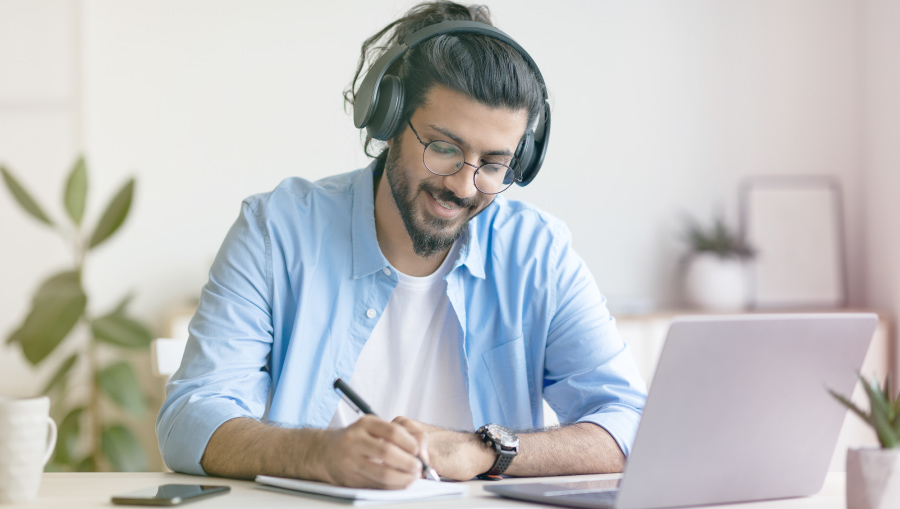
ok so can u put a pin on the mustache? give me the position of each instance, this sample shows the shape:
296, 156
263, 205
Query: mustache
448, 196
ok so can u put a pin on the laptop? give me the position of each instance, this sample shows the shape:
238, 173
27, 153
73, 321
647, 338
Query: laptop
738, 411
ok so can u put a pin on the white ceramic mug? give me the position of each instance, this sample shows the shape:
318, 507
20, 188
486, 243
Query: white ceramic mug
27, 439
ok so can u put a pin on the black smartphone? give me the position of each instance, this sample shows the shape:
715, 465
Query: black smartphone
169, 494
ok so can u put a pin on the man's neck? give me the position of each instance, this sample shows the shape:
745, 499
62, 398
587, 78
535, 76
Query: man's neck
393, 238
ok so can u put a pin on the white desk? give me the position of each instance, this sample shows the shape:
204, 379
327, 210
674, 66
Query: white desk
91, 490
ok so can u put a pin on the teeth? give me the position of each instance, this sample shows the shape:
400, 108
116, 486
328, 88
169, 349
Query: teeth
443, 203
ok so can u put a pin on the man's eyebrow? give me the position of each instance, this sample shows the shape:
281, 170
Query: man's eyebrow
465, 146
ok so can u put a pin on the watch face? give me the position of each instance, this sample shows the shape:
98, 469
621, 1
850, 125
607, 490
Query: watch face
506, 437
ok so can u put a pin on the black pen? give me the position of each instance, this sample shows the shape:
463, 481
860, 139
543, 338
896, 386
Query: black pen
357, 403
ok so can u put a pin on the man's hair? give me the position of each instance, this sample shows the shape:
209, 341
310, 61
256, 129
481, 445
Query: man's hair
481, 67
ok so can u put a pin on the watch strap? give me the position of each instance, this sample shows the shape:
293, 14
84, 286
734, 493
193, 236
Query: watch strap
504, 458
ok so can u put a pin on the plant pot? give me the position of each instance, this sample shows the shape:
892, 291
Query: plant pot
873, 478
716, 283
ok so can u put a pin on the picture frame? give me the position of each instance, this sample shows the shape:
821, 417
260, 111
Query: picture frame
795, 226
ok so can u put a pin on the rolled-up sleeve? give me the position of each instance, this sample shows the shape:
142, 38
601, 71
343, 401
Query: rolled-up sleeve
590, 374
223, 373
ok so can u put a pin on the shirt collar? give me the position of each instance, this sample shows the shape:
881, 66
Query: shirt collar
470, 252
367, 255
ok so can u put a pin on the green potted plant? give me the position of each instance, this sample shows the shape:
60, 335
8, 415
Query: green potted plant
873, 474
93, 424
714, 277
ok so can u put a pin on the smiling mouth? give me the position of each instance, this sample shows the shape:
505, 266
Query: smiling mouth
448, 206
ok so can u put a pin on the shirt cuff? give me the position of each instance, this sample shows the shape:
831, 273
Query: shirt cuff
620, 421
190, 431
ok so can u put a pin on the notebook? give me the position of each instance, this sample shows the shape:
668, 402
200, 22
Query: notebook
738, 411
421, 489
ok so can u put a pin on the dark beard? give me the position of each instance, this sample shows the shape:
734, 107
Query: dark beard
426, 240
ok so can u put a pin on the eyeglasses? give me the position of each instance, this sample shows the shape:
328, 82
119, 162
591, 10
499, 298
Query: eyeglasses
442, 158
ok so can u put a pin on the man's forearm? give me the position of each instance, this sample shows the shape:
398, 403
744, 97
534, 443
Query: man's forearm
581, 448
369, 453
243, 448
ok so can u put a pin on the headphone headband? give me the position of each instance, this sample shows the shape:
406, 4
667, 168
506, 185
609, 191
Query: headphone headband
388, 110
367, 96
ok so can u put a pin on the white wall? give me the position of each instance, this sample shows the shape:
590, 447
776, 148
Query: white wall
881, 153
40, 129
660, 108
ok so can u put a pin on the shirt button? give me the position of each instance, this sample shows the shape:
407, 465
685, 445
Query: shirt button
387, 271
371, 313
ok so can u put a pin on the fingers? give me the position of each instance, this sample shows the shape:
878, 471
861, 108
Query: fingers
418, 431
372, 453
391, 432
380, 451
381, 476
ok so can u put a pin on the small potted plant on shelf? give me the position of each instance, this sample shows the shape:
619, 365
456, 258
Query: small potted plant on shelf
873, 474
715, 277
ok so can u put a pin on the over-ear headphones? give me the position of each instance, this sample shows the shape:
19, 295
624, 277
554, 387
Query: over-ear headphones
379, 101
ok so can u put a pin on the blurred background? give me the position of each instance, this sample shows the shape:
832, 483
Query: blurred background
661, 110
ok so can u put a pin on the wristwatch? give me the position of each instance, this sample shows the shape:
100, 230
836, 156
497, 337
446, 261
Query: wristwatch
504, 441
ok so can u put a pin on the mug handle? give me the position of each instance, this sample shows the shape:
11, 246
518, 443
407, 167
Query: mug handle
51, 441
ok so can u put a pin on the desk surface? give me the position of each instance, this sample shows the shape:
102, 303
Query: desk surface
91, 490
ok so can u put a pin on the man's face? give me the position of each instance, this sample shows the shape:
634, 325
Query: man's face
436, 209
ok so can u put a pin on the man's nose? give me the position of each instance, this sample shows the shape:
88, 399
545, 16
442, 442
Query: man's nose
462, 183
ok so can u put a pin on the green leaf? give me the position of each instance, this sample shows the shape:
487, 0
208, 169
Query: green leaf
69, 437
75, 195
120, 309
115, 214
55, 309
876, 397
885, 431
86, 465
851, 405
123, 449
718, 239
879, 415
896, 423
120, 384
59, 378
888, 391
120, 330
54, 466
24, 197
888, 386
893, 403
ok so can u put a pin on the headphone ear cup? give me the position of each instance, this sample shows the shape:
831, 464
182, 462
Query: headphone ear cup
525, 157
388, 109
535, 148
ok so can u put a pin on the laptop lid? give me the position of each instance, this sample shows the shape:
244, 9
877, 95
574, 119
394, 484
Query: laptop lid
739, 411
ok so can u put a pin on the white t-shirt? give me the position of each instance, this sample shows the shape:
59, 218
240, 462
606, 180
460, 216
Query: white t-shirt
410, 365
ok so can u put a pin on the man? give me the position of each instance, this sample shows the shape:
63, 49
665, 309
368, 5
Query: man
446, 306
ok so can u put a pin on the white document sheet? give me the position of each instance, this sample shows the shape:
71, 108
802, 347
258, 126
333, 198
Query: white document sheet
421, 489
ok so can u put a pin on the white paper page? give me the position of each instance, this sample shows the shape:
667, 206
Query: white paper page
420, 489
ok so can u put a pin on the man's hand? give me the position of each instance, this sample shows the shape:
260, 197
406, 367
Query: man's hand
370, 453
454, 454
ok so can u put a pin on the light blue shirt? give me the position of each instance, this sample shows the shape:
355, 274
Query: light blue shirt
300, 281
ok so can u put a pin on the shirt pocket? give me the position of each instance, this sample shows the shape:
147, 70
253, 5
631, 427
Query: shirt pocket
508, 372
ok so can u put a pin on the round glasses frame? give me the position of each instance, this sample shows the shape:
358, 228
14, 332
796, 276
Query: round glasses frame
516, 177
